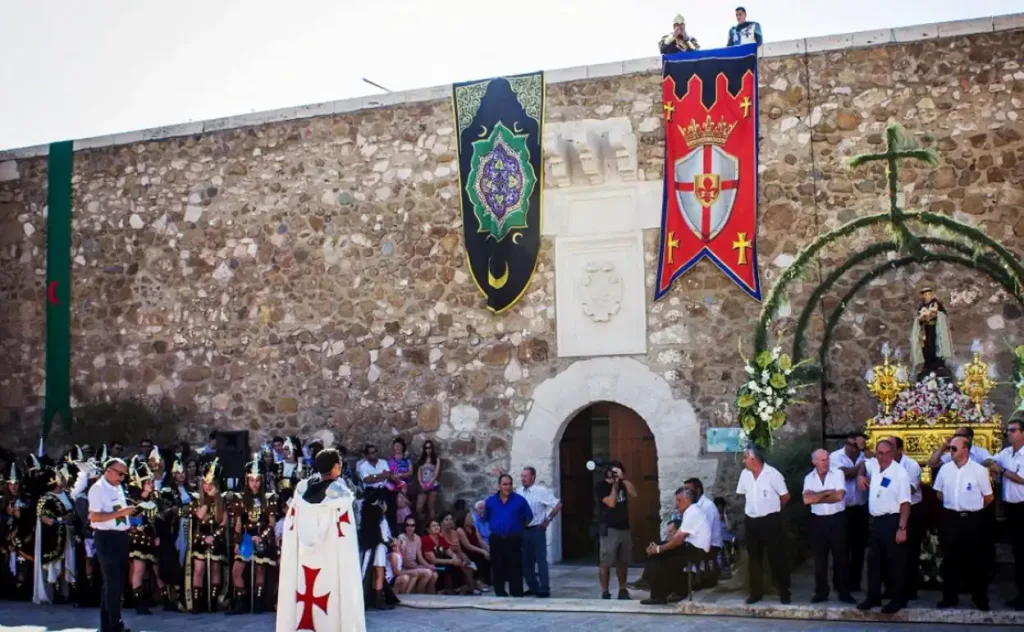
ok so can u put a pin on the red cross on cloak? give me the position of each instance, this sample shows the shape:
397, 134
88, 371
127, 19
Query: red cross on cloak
309, 600
343, 518
705, 215
291, 514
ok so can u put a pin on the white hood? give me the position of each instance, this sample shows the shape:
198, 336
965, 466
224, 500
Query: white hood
315, 522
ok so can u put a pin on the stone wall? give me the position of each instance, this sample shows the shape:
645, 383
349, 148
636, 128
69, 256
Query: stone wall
309, 274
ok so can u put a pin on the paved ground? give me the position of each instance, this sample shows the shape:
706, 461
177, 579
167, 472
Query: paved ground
21, 617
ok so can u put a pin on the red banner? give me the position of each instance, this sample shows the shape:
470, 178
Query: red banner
710, 201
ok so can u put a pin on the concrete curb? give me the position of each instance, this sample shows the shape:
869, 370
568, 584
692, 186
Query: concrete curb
696, 608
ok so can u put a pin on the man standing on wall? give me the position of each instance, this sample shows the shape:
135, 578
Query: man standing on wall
544, 507
744, 32
613, 494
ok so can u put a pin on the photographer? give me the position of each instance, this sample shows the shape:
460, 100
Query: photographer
614, 493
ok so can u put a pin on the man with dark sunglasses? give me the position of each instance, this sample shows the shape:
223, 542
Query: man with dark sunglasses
1009, 463
964, 489
108, 517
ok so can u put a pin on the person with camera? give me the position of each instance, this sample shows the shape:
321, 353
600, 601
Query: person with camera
613, 494
108, 517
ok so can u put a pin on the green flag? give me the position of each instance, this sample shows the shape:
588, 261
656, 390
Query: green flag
58, 286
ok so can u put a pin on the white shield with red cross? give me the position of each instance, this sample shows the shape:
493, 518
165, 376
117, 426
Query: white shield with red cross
706, 182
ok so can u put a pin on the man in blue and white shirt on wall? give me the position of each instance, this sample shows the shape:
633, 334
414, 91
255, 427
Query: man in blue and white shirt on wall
744, 32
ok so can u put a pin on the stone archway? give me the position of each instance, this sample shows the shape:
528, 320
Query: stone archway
623, 381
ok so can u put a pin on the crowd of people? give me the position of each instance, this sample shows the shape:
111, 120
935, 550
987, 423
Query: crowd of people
864, 503
200, 541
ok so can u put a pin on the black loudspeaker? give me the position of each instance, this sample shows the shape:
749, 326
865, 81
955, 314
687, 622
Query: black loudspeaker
233, 452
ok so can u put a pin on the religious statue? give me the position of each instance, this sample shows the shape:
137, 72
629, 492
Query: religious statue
930, 344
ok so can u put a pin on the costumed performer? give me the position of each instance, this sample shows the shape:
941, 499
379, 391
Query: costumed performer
319, 566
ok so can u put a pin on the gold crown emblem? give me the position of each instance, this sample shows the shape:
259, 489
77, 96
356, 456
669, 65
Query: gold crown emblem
708, 133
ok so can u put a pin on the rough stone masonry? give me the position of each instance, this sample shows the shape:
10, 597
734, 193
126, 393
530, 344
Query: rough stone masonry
309, 274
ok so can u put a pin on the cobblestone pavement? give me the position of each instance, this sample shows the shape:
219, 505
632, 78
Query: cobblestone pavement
22, 617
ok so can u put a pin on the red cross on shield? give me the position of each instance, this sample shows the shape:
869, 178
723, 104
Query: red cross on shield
706, 183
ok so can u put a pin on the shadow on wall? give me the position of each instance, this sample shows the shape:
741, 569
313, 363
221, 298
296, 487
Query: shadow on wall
128, 420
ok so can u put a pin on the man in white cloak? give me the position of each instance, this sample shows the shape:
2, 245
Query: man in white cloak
320, 586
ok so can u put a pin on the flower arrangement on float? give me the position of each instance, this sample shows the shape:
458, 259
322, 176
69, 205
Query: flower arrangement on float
768, 390
933, 401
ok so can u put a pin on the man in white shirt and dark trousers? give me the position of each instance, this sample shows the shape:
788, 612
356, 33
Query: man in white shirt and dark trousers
915, 528
964, 488
764, 491
705, 504
1009, 464
688, 546
888, 489
824, 491
545, 507
847, 460
108, 517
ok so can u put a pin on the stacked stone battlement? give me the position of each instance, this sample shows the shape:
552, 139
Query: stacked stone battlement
810, 45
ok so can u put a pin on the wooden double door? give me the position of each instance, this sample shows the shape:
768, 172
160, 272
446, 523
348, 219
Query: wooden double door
604, 432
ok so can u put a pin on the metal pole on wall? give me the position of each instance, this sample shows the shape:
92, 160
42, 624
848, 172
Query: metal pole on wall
58, 286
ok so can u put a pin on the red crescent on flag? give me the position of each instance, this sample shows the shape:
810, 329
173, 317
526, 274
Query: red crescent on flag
51, 293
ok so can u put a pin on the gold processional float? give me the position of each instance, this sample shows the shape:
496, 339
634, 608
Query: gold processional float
928, 412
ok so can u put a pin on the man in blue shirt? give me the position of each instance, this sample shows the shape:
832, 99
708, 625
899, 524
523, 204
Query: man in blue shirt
507, 513
744, 32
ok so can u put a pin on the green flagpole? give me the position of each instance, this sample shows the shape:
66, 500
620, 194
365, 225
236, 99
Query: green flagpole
58, 286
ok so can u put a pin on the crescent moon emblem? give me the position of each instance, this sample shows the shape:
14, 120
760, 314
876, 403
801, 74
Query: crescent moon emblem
516, 128
483, 131
500, 281
51, 293
514, 236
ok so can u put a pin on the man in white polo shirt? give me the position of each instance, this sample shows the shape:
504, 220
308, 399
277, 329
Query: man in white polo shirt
964, 488
847, 460
108, 517
764, 490
1009, 464
888, 489
824, 491
688, 546
915, 528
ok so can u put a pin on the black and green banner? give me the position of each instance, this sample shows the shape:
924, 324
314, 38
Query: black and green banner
500, 124
58, 286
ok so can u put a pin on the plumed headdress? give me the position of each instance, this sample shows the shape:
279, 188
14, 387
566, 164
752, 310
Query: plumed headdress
13, 477
178, 465
254, 468
139, 472
155, 454
212, 473
679, 19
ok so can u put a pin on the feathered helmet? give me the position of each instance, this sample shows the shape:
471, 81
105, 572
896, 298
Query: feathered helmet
212, 472
154, 455
34, 464
178, 465
74, 455
13, 477
254, 468
64, 475
139, 472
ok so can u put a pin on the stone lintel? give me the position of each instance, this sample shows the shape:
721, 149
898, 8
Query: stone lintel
578, 73
9, 171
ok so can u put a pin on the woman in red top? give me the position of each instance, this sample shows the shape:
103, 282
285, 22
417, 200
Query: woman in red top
451, 571
474, 548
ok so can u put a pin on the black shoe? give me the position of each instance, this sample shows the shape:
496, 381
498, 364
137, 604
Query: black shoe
752, 599
786, 599
543, 595
947, 603
623, 595
675, 598
606, 595
500, 594
868, 604
653, 602
529, 593
819, 598
893, 606
847, 599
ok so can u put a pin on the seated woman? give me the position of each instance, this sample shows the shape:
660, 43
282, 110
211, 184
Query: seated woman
475, 548
451, 572
413, 563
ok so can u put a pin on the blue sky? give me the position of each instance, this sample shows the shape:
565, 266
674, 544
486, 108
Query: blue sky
75, 69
